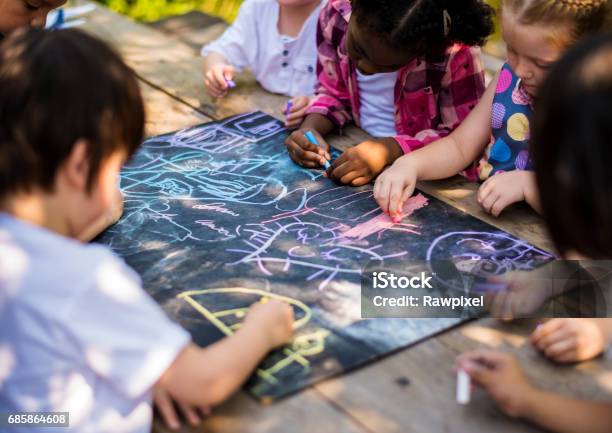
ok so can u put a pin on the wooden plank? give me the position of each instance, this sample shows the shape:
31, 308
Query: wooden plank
165, 114
306, 412
194, 28
418, 385
174, 67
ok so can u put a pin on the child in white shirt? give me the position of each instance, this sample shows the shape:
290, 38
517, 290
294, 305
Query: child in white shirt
78, 334
276, 40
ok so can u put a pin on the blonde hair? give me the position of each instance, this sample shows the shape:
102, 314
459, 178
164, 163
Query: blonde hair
585, 16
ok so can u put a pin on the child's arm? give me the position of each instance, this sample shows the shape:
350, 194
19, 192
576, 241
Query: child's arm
500, 375
236, 49
438, 160
207, 376
573, 340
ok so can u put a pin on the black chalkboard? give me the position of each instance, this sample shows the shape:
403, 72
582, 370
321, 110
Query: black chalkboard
217, 216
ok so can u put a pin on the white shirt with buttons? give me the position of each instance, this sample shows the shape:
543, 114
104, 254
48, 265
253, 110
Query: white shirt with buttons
280, 64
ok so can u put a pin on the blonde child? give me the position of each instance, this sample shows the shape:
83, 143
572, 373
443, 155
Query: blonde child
275, 39
406, 71
536, 33
572, 159
78, 333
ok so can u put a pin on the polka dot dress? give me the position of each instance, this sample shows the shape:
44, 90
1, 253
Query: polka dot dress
510, 117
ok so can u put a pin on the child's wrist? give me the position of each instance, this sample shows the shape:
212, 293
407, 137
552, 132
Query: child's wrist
533, 398
394, 150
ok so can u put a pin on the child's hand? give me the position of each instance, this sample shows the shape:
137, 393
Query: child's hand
275, 318
570, 340
521, 293
165, 406
500, 375
297, 111
358, 165
503, 189
216, 78
303, 152
394, 186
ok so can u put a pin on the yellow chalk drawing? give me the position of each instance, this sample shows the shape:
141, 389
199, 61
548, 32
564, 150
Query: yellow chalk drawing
304, 345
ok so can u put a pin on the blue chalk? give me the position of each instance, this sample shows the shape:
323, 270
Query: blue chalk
310, 137
230, 83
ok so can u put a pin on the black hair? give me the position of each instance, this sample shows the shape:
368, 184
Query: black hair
426, 26
571, 147
57, 87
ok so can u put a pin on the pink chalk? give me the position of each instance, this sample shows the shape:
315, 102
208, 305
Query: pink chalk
384, 221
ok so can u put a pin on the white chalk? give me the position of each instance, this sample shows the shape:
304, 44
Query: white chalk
463, 387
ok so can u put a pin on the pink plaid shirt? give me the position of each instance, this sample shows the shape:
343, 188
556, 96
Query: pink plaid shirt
431, 97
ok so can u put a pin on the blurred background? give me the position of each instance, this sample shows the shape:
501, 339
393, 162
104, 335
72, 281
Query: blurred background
154, 10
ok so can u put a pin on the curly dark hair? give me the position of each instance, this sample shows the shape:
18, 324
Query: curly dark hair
426, 26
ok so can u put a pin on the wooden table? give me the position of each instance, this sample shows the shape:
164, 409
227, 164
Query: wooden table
377, 397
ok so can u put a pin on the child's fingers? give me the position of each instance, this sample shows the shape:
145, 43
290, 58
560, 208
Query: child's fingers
408, 190
484, 191
500, 204
560, 348
552, 338
296, 115
303, 157
360, 181
166, 409
489, 201
190, 414
351, 176
546, 329
383, 196
299, 103
338, 170
218, 78
395, 194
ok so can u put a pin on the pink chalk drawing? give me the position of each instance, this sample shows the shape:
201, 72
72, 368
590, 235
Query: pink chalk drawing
383, 222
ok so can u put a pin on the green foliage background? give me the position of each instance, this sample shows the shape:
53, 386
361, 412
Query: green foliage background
153, 10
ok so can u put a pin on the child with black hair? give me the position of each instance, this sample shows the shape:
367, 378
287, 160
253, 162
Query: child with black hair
406, 71
25, 13
78, 334
571, 153
536, 32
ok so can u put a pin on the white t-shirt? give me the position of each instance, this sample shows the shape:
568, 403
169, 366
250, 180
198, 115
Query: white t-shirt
377, 111
78, 333
281, 64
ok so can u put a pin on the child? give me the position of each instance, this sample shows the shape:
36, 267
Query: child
22, 13
275, 39
572, 158
402, 70
536, 33
77, 332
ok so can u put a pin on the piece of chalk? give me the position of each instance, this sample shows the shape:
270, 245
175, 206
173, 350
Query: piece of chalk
463, 387
312, 139
230, 83
288, 108
264, 300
